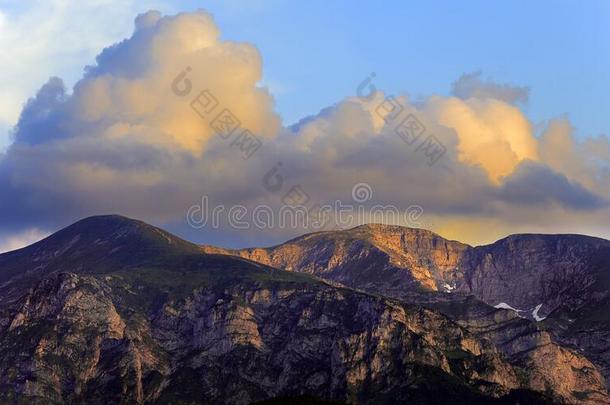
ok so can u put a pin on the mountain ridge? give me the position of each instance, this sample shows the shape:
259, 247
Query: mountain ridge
113, 309
560, 280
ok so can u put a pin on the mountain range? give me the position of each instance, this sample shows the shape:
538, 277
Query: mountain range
113, 310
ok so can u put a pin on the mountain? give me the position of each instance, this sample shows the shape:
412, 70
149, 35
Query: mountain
390, 260
112, 310
560, 282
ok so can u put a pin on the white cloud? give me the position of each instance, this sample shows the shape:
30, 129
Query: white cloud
41, 38
124, 138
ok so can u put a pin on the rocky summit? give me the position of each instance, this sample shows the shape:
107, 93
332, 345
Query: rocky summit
112, 310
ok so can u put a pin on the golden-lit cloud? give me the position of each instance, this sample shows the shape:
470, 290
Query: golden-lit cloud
127, 140
492, 133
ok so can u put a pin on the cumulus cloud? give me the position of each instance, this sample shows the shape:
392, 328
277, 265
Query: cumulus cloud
123, 140
53, 37
586, 160
492, 134
126, 139
470, 85
492, 171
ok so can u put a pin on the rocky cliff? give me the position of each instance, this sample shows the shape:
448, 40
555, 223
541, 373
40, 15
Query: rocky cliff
112, 310
560, 283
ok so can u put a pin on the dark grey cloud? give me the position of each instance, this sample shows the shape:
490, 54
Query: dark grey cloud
41, 116
534, 184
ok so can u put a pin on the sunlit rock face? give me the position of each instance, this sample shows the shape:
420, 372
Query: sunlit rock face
389, 259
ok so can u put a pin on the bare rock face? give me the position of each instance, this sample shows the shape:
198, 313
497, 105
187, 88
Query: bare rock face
337, 343
530, 270
392, 259
560, 282
112, 310
241, 344
527, 344
60, 341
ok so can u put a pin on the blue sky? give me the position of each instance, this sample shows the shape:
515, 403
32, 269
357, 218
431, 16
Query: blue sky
316, 52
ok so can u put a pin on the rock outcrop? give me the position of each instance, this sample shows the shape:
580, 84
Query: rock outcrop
560, 282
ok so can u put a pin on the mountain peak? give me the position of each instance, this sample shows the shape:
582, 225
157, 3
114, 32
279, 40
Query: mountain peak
109, 225
379, 228
113, 221
96, 243
389, 255
110, 231
370, 232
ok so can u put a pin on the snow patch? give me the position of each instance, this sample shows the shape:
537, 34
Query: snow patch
504, 305
535, 313
523, 313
